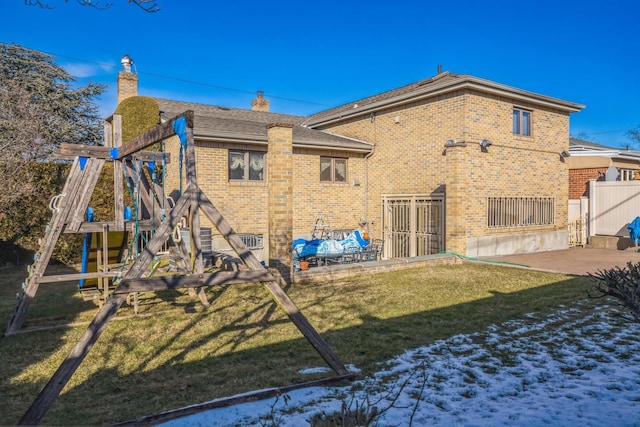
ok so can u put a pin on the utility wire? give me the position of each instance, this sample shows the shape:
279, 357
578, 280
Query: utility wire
193, 82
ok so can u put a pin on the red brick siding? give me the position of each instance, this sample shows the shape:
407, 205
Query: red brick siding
579, 181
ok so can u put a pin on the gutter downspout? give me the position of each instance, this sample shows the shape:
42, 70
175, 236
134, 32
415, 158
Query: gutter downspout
366, 185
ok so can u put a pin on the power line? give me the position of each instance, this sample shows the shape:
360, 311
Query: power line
608, 131
193, 82
228, 88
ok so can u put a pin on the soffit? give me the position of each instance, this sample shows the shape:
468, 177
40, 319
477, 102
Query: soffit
438, 85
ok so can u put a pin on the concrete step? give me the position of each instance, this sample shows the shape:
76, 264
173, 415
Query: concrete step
620, 243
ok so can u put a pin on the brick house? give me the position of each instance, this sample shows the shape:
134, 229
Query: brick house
592, 161
452, 163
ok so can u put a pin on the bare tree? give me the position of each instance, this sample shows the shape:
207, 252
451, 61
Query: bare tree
634, 136
39, 109
146, 5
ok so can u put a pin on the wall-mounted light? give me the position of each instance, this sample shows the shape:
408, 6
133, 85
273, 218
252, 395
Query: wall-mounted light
484, 144
450, 143
564, 155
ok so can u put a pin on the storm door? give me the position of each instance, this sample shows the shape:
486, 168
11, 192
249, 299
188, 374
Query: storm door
413, 225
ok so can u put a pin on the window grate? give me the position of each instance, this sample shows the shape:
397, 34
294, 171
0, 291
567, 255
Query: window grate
505, 212
252, 241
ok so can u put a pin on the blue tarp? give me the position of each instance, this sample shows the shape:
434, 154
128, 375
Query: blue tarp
303, 248
634, 229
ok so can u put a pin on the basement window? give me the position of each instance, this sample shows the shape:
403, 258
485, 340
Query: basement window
521, 122
246, 165
505, 212
333, 169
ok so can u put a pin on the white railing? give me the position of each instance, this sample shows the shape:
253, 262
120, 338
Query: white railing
577, 231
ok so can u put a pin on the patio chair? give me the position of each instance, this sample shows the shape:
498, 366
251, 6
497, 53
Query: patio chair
351, 255
373, 252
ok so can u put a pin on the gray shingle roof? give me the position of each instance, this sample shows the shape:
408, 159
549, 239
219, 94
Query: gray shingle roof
439, 84
575, 142
248, 126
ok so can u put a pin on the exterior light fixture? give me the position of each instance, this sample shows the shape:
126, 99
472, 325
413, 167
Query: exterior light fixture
565, 154
484, 144
450, 143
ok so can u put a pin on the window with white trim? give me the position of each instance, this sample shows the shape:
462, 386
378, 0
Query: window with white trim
626, 174
246, 165
521, 122
333, 169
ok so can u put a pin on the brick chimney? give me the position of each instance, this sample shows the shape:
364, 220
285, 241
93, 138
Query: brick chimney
260, 104
127, 80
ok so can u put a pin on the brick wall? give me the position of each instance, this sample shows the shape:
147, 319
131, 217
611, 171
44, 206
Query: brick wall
579, 181
410, 158
342, 204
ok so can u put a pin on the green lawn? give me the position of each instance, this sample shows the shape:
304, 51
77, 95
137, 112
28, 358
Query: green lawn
176, 353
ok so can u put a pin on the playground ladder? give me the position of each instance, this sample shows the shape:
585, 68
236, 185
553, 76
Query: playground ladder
81, 180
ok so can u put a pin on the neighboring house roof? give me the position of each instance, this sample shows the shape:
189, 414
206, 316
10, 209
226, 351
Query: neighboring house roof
249, 126
440, 84
580, 147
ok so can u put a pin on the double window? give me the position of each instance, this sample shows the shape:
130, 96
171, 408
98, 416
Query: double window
333, 169
626, 174
246, 165
521, 122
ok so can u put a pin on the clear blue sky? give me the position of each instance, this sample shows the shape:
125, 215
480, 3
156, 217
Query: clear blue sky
332, 52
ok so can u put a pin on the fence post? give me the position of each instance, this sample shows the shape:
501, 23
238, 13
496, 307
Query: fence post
592, 207
584, 214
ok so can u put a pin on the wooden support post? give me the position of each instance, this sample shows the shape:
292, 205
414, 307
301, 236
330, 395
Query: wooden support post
71, 151
81, 200
194, 218
219, 278
52, 389
105, 261
274, 288
98, 267
118, 175
158, 133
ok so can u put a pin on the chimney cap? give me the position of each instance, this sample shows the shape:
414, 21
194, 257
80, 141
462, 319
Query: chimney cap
126, 62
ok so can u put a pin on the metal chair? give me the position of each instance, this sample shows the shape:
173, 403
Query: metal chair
351, 255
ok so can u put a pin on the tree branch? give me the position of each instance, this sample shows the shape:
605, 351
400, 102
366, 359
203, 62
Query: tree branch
147, 5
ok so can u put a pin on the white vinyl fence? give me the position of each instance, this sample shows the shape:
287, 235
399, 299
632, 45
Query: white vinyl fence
612, 206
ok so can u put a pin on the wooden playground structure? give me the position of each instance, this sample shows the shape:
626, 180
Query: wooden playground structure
114, 287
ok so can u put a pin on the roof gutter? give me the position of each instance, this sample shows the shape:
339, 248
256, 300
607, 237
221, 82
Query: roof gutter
448, 87
608, 154
296, 144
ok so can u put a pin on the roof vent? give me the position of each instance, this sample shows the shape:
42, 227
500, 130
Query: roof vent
126, 62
